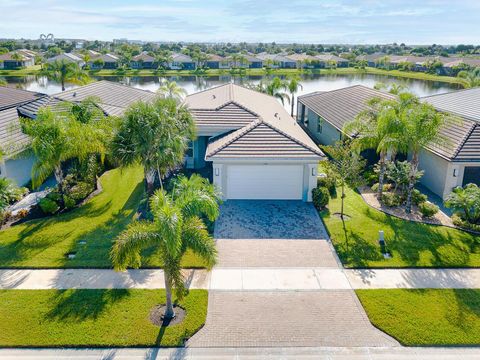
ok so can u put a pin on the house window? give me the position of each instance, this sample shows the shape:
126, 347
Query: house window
189, 152
319, 125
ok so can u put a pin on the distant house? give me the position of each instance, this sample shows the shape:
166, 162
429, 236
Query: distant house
326, 60
181, 62
103, 61
69, 57
143, 61
16, 59
217, 62
371, 59
305, 61
276, 61
253, 61
16, 164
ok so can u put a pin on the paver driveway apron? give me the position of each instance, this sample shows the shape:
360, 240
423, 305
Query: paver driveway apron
278, 235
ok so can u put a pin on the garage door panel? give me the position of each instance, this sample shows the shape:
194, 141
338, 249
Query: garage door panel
265, 182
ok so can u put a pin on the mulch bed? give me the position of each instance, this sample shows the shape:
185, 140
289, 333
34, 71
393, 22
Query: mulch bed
156, 315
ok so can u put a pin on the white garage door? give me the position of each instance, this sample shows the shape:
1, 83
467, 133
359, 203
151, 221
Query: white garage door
283, 182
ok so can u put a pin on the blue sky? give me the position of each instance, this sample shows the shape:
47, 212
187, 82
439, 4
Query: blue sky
305, 21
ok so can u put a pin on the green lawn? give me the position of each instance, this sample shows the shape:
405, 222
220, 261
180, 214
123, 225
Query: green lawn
425, 316
119, 318
45, 242
411, 244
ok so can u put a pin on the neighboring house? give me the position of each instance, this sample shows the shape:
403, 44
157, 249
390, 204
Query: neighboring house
328, 59
323, 114
16, 164
256, 149
276, 61
67, 57
16, 59
103, 61
371, 59
253, 61
457, 162
217, 62
305, 61
143, 61
181, 62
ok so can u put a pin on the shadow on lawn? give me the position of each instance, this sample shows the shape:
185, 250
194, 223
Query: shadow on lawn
81, 305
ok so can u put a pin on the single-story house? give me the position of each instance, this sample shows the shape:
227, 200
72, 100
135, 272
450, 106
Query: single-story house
371, 59
327, 59
277, 61
103, 61
305, 61
254, 62
217, 62
113, 98
457, 162
69, 57
16, 59
16, 163
256, 148
143, 61
181, 62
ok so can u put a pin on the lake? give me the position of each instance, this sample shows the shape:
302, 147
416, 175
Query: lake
310, 83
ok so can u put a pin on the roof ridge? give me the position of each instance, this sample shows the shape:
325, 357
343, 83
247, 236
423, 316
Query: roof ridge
450, 92
235, 103
464, 140
242, 131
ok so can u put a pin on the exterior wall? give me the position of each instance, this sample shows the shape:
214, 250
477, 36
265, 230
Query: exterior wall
328, 134
256, 65
213, 64
199, 149
18, 169
436, 169
220, 170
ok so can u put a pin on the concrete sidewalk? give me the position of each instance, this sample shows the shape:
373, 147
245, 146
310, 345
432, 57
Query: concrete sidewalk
245, 279
288, 353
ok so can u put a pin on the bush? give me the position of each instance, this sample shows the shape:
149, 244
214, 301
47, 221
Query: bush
391, 199
327, 182
428, 209
48, 206
21, 213
68, 202
417, 197
54, 196
371, 177
320, 197
80, 191
4, 217
458, 221
386, 187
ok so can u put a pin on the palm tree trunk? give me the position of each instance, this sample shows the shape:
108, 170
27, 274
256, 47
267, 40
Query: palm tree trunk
411, 182
149, 180
169, 312
160, 177
58, 173
293, 101
381, 175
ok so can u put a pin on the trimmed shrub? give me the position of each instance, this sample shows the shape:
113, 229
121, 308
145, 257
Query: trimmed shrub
68, 202
391, 199
80, 191
320, 197
458, 221
21, 213
428, 209
386, 187
54, 196
327, 182
48, 206
417, 197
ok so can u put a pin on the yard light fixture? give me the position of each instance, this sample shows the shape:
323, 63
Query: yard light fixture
217, 171
381, 238
455, 172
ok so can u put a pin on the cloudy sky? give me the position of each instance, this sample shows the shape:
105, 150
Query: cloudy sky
306, 21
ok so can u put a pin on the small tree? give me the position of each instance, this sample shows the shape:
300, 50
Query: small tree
65, 71
294, 86
466, 201
346, 165
170, 89
177, 226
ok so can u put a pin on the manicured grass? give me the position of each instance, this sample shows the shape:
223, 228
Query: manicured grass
45, 242
425, 316
411, 244
110, 318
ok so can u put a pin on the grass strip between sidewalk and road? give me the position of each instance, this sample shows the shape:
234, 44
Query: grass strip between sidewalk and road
424, 317
94, 318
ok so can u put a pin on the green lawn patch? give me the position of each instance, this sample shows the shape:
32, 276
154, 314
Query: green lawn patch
103, 318
44, 243
425, 316
411, 244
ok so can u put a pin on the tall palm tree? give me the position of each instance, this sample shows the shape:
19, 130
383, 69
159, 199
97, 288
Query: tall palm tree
65, 71
56, 138
380, 128
422, 124
471, 78
275, 87
155, 135
170, 89
177, 226
294, 86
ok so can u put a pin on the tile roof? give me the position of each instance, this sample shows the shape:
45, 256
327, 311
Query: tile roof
12, 139
329, 57
342, 105
9, 56
181, 58
465, 103
10, 97
144, 56
215, 57
67, 57
240, 106
301, 57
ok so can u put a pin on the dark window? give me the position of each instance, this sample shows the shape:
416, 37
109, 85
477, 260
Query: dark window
471, 175
319, 125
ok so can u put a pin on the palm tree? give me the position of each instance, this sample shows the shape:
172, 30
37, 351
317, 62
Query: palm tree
65, 71
422, 124
380, 128
275, 87
170, 89
293, 86
155, 135
56, 138
177, 226
471, 78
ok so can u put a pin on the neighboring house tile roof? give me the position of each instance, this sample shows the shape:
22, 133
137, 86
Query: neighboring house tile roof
463, 135
10, 97
301, 57
255, 109
9, 56
66, 56
12, 139
330, 57
144, 56
341, 106
181, 58
105, 57
215, 57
